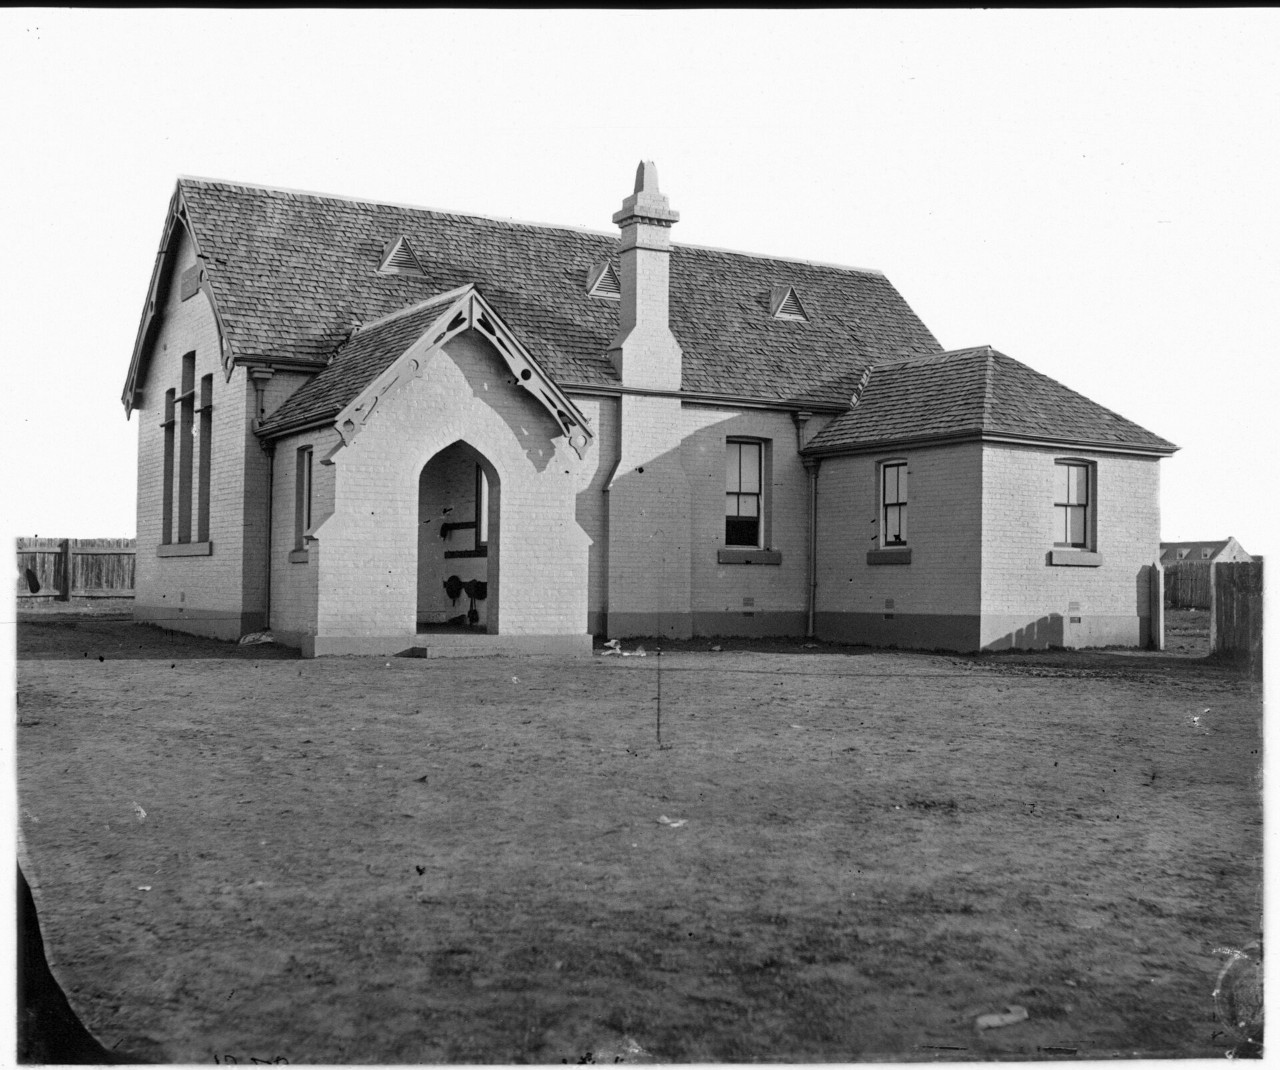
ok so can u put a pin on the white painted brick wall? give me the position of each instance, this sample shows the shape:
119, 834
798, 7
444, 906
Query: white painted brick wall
538, 555
943, 532
168, 588
720, 587
1018, 497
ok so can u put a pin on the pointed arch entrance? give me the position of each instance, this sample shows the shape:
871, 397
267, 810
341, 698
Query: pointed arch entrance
459, 518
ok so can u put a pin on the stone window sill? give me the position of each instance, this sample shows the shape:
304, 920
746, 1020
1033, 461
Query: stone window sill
890, 555
743, 555
482, 552
185, 549
1078, 558
298, 557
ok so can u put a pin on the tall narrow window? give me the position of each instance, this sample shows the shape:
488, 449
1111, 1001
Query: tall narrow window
166, 504
893, 497
206, 458
302, 498
482, 509
186, 444
743, 494
1071, 505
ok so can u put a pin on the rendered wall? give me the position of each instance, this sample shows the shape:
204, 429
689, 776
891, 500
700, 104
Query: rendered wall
1029, 602
209, 594
930, 602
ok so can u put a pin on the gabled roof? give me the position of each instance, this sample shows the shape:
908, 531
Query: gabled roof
1194, 550
387, 353
292, 274
976, 393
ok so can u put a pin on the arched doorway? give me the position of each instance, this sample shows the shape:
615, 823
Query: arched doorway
458, 521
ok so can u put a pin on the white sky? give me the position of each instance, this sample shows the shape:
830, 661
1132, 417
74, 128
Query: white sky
1092, 192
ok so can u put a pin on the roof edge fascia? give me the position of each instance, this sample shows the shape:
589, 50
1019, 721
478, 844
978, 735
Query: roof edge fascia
161, 280
708, 399
958, 438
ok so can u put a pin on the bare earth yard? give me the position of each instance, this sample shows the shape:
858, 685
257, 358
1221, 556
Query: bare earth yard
836, 854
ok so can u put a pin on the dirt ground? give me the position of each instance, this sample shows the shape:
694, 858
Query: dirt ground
832, 854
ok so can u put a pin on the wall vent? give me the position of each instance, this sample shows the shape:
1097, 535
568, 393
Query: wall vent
603, 282
398, 258
785, 304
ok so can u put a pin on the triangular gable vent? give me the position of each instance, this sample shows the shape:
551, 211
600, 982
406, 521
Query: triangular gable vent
785, 304
398, 258
602, 281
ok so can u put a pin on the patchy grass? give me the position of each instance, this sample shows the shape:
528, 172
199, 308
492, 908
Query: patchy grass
397, 860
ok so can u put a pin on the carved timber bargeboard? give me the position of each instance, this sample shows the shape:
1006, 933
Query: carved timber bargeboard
469, 312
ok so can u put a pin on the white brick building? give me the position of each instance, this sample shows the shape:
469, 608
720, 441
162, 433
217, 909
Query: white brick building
373, 428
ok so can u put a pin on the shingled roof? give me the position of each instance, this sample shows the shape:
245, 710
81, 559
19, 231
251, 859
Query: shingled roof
291, 274
975, 393
359, 362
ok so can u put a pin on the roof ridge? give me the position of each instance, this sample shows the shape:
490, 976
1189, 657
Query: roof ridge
510, 221
452, 213
988, 386
438, 299
920, 358
780, 259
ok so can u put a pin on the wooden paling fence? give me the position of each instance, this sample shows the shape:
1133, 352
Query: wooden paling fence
62, 569
1236, 625
1188, 585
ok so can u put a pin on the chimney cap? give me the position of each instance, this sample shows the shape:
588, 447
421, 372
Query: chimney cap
647, 204
647, 177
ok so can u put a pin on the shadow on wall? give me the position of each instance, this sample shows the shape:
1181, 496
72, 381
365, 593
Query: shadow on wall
534, 428
1045, 632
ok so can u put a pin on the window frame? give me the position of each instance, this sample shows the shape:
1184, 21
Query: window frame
1079, 554
1062, 521
482, 511
901, 500
303, 496
759, 494
187, 466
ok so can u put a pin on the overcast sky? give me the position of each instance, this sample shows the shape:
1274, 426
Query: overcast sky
1092, 192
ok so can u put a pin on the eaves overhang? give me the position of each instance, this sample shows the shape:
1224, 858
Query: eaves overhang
958, 438
695, 397
161, 280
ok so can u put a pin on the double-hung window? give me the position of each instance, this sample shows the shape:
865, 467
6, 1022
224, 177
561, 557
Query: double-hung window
1071, 505
743, 493
893, 503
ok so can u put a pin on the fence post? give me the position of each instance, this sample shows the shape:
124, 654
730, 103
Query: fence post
64, 589
1155, 641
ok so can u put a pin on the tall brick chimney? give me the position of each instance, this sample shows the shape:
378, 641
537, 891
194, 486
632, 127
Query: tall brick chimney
645, 351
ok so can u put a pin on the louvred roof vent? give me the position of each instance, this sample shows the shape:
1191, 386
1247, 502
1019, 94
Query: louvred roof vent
602, 281
784, 304
398, 258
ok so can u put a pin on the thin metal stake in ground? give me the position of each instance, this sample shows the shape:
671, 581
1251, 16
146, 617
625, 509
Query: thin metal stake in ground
660, 700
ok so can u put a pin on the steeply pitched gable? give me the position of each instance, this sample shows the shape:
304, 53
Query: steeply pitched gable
976, 393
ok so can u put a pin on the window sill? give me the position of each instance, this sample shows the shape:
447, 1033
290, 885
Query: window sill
298, 557
482, 552
1078, 558
890, 555
743, 555
185, 549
